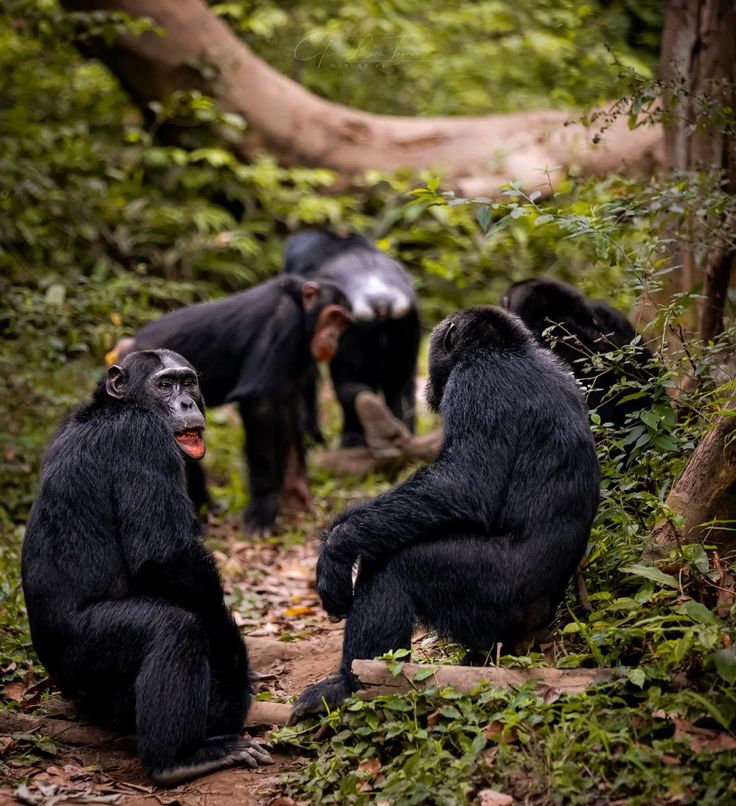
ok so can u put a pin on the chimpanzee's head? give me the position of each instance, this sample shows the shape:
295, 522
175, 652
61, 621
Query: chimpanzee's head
541, 301
328, 315
164, 380
471, 335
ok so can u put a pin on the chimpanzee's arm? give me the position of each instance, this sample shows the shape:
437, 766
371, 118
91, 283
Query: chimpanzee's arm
439, 501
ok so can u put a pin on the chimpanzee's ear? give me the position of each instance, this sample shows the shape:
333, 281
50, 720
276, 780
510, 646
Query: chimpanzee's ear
115, 382
310, 295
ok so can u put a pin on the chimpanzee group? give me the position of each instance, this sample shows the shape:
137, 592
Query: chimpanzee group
126, 605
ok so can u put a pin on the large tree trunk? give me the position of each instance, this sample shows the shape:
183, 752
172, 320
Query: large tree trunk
698, 70
476, 153
704, 496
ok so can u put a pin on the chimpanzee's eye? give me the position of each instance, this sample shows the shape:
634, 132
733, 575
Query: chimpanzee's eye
448, 342
188, 383
165, 385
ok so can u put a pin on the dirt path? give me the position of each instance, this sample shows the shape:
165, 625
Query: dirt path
291, 644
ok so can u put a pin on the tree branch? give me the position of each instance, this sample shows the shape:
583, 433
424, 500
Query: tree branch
477, 154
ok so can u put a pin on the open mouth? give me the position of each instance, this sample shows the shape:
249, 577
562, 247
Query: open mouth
191, 442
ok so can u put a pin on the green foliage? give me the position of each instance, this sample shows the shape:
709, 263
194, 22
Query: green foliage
102, 227
608, 744
431, 57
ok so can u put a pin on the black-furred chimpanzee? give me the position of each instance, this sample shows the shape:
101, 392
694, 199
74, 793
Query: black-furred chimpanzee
125, 604
576, 328
252, 348
481, 544
379, 352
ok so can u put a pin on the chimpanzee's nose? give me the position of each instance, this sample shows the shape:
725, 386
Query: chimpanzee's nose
187, 403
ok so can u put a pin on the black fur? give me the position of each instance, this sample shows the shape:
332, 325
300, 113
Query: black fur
480, 545
579, 328
379, 352
251, 348
125, 604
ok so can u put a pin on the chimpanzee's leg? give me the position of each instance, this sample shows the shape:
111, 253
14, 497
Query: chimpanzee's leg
356, 368
381, 619
308, 406
267, 441
399, 366
153, 658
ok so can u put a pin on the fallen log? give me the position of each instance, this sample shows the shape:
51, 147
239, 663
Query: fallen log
83, 734
376, 679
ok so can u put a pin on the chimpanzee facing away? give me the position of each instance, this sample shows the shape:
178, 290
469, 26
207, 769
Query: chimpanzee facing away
252, 348
480, 545
379, 352
125, 604
580, 328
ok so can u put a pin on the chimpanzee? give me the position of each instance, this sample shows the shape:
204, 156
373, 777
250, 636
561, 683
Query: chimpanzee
379, 352
580, 328
253, 348
125, 604
481, 544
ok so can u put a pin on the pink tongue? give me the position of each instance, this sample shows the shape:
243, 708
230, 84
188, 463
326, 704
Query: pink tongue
191, 443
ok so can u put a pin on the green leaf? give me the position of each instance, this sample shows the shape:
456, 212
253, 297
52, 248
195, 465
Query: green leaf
484, 217
725, 660
653, 574
423, 674
697, 612
637, 677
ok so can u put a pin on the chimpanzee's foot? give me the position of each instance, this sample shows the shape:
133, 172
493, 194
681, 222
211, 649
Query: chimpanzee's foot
217, 753
296, 497
321, 697
260, 516
385, 434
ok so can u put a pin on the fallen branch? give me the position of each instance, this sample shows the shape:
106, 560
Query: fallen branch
376, 679
84, 735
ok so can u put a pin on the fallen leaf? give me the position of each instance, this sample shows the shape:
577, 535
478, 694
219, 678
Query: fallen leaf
15, 690
370, 765
492, 797
5, 742
298, 611
495, 732
701, 739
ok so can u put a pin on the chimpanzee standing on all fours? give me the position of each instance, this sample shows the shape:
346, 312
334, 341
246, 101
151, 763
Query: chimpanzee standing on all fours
125, 604
379, 352
481, 544
253, 349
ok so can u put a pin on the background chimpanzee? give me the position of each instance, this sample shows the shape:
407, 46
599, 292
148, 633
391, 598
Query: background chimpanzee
253, 348
125, 604
480, 545
379, 352
578, 329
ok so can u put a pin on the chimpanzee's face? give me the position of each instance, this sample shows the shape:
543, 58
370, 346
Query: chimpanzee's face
177, 389
164, 377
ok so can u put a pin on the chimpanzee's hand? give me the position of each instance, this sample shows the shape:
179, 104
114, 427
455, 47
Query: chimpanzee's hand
335, 579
